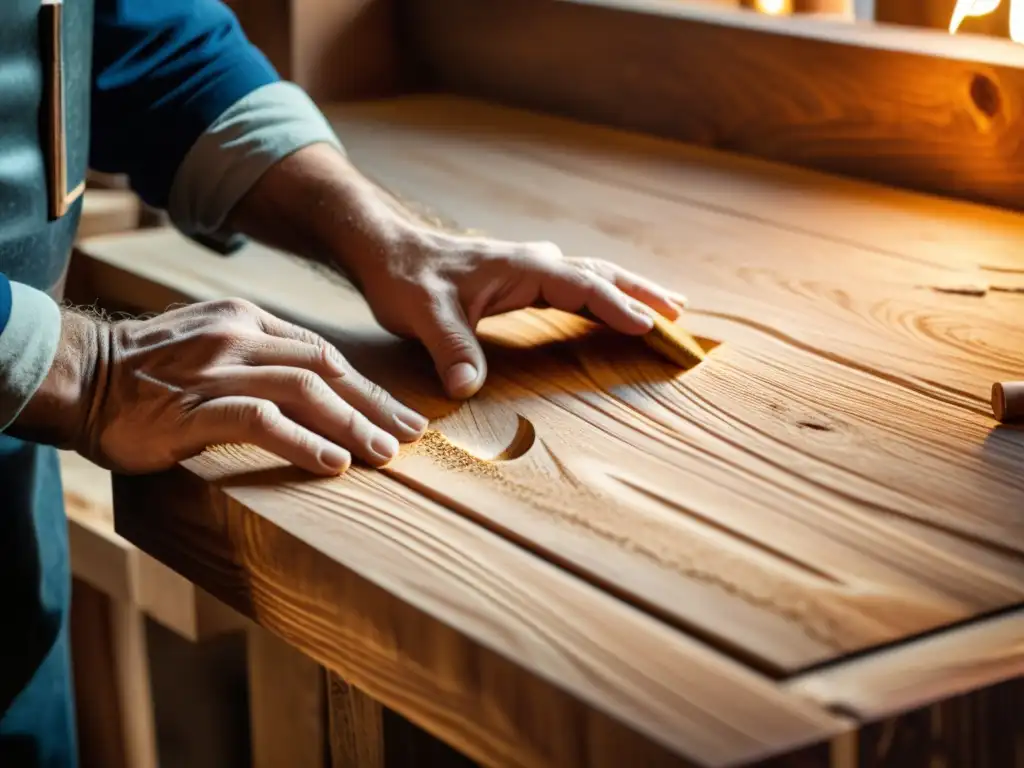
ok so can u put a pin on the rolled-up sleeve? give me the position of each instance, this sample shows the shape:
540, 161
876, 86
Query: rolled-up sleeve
190, 110
163, 72
30, 324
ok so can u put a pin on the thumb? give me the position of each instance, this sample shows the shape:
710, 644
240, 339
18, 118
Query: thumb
453, 345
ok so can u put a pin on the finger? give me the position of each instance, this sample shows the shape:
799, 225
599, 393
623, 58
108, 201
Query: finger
282, 329
252, 420
453, 345
306, 399
370, 399
379, 406
322, 359
571, 288
661, 300
275, 326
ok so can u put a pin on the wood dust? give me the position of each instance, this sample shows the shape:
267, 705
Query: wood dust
577, 505
436, 446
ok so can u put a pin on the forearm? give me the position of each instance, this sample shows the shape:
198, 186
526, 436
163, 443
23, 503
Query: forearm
316, 204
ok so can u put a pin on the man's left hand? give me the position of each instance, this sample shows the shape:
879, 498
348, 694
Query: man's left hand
436, 287
423, 282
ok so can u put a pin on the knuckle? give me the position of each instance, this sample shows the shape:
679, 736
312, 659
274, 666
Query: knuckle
377, 395
547, 250
539, 254
351, 420
308, 384
306, 335
263, 415
222, 338
590, 265
325, 354
457, 342
234, 306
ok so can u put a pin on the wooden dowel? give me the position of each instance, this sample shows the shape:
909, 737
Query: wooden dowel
1008, 400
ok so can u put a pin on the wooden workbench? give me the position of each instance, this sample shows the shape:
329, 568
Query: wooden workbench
808, 548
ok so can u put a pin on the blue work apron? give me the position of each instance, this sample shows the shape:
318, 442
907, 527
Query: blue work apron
36, 702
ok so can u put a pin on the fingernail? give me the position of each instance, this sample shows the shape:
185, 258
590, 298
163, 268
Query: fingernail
384, 445
411, 423
460, 376
335, 458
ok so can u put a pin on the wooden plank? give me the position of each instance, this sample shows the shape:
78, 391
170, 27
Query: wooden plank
357, 726
99, 556
342, 49
913, 675
113, 700
981, 729
97, 709
287, 705
448, 624
114, 566
108, 210
852, 407
971, 241
913, 108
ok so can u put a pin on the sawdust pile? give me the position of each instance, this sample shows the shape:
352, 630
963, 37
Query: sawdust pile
439, 448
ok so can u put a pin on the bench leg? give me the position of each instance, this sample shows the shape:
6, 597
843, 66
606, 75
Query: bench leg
365, 734
113, 698
287, 704
357, 726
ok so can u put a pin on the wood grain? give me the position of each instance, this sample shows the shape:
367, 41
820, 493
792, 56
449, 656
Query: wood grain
422, 609
357, 726
913, 108
829, 480
910, 676
101, 742
287, 705
876, 499
980, 729
114, 707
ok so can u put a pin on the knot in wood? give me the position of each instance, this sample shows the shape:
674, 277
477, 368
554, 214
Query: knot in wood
985, 95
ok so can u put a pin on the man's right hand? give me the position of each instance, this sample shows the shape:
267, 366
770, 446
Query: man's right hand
140, 395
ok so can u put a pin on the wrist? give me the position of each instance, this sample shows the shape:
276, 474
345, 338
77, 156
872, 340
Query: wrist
59, 411
317, 204
371, 227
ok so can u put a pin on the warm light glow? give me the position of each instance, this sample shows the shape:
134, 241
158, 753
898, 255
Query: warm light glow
965, 8
1017, 22
775, 7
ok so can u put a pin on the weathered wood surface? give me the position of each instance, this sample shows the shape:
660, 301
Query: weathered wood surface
357, 725
915, 108
829, 480
910, 676
504, 656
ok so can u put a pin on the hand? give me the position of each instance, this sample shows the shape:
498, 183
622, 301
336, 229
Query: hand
141, 395
436, 287
422, 282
